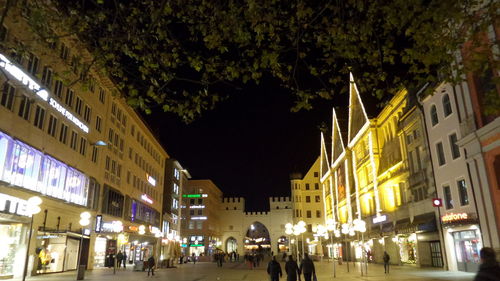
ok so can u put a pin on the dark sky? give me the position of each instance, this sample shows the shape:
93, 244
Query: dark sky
250, 143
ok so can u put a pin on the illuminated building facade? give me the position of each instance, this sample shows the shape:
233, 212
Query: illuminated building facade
200, 223
308, 206
373, 194
79, 147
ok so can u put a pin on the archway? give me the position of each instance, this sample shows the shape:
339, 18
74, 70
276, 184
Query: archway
257, 238
231, 245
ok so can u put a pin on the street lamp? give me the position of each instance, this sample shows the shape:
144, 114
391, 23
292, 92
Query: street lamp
301, 227
289, 231
84, 221
360, 226
330, 227
33, 209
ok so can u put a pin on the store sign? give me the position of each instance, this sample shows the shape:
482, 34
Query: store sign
26, 80
437, 202
151, 180
379, 219
197, 207
194, 195
146, 199
133, 228
114, 226
199, 218
98, 223
452, 217
13, 205
196, 245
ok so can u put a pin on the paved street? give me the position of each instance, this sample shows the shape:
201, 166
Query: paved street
238, 271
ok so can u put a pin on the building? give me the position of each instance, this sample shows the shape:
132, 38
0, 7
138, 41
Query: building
377, 189
308, 206
79, 147
244, 232
200, 222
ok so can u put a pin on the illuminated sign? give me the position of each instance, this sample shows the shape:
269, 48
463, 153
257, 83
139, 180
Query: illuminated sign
437, 202
151, 180
26, 80
114, 226
452, 217
183, 245
197, 207
199, 218
379, 219
98, 223
194, 195
196, 245
13, 205
133, 228
146, 198
86, 231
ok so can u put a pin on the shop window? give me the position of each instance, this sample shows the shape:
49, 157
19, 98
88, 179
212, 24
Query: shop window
462, 191
440, 154
434, 115
455, 150
448, 201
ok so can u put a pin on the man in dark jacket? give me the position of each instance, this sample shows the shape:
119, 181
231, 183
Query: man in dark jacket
489, 269
386, 258
292, 270
307, 268
274, 270
151, 265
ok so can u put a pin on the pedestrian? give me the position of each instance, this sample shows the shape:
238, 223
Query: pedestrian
307, 268
292, 270
119, 259
274, 270
151, 265
386, 258
193, 257
284, 257
489, 269
181, 259
125, 260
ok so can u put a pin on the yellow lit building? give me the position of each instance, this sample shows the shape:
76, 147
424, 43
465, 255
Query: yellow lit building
366, 183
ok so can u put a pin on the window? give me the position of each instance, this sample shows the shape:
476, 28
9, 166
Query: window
8, 94
52, 125
462, 191
200, 212
317, 199
63, 136
92, 85
191, 212
47, 77
98, 122
309, 228
316, 186
297, 213
3, 33
455, 150
132, 130
78, 105
64, 52
83, 146
308, 199
95, 153
73, 142
440, 154
446, 105
308, 213
316, 174
58, 88
86, 113
307, 186
33, 62
434, 115
318, 213
69, 97
199, 225
24, 108
102, 95
448, 202
39, 117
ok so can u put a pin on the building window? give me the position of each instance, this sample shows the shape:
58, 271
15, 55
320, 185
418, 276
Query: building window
86, 114
3, 33
98, 122
102, 95
307, 186
446, 105
39, 117
191, 212
69, 97
448, 202
440, 153
47, 77
73, 142
316, 186
33, 62
52, 125
462, 191
8, 95
58, 88
309, 228
63, 136
455, 150
318, 213
308, 199
78, 105
64, 52
434, 115
83, 146
316, 174
308, 213
317, 199
25, 108
95, 153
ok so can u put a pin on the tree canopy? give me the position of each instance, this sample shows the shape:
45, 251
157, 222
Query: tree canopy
184, 56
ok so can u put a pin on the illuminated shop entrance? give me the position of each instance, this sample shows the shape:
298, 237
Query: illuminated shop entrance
231, 245
257, 238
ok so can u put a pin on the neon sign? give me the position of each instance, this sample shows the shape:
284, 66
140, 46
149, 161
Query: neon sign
146, 198
194, 195
379, 219
199, 218
454, 217
13, 205
151, 180
26, 80
197, 207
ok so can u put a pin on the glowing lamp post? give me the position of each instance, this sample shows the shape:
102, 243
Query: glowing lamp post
84, 221
289, 231
33, 209
330, 227
301, 228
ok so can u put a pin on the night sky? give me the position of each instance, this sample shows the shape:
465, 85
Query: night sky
249, 144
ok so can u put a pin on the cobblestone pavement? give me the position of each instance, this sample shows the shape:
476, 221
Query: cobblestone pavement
239, 271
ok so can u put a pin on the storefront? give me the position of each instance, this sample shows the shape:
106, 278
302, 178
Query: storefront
58, 251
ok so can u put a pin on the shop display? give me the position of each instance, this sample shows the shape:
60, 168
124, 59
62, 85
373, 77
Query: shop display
10, 234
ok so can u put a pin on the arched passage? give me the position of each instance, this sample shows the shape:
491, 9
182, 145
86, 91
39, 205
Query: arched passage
231, 245
257, 238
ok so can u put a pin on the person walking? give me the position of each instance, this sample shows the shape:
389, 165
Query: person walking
292, 270
489, 270
307, 268
193, 258
151, 265
274, 270
119, 259
386, 258
124, 260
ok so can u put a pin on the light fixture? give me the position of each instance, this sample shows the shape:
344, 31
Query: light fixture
99, 143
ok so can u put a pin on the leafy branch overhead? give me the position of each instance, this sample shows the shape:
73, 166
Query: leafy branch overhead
184, 56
